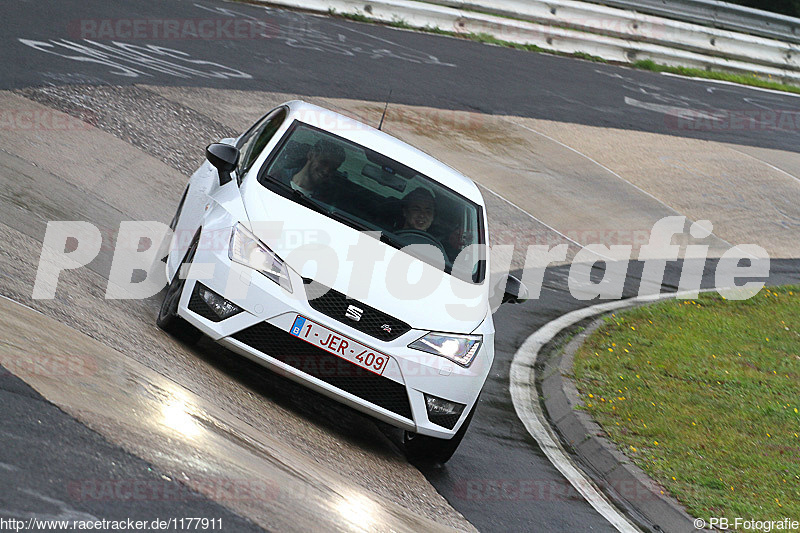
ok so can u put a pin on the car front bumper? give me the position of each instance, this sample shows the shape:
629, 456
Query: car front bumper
260, 332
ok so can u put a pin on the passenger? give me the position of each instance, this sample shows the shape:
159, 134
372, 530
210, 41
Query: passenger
455, 241
419, 208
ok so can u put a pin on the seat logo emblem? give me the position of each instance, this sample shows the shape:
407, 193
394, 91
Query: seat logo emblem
353, 313
387, 328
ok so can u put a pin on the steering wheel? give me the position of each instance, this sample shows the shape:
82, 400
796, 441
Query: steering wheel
426, 237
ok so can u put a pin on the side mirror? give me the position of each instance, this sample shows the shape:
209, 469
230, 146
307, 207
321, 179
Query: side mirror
515, 292
225, 158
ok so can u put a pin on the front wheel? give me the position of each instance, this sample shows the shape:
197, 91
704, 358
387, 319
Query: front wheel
168, 318
426, 450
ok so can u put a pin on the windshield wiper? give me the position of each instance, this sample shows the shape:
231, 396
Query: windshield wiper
391, 241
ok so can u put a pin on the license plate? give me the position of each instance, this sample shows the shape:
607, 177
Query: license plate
339, 345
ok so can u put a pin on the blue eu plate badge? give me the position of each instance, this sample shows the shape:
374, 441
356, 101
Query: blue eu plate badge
297, 327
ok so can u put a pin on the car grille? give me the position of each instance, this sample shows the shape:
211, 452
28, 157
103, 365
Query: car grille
333, 370
335, 304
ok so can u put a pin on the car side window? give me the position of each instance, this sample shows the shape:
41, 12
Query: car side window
255, 142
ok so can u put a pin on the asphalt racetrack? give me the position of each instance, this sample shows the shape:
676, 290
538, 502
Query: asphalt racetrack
107, 128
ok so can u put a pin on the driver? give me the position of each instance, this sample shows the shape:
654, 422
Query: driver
419, 208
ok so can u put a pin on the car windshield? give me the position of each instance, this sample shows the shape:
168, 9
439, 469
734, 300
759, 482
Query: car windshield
371, 192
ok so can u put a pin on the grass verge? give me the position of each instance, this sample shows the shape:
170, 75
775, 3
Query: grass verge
703, 395
755, 81
646, 64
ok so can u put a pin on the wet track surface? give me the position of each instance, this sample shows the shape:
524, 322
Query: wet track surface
102, 480
499, 480
319, 56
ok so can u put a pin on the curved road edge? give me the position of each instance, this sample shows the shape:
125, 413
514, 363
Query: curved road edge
607, 467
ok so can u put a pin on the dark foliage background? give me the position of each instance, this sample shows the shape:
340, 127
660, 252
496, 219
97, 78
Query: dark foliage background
784, 7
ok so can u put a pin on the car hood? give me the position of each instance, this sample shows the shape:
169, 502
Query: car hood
362, 267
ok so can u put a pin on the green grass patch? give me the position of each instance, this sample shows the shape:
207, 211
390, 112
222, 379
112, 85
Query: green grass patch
704, 396
753, 79
589, 57
396, 22
487, 38
358, 17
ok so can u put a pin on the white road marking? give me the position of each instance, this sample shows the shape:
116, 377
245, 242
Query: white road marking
120, 56
526, 403
773, 167
546, 225
304, 35
65, 512
523, 126
725, 82
675, 111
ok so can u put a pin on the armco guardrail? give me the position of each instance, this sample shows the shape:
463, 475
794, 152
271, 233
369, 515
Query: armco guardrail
569, 26
635, 26
717, 14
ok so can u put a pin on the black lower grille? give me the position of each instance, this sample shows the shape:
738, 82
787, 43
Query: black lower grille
333, 370
369, 320
447, 421
199, 306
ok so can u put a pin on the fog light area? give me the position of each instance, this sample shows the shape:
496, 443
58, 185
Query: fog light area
439, 406
443, 412
221, 307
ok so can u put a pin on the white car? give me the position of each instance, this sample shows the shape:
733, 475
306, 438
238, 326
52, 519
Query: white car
346, 260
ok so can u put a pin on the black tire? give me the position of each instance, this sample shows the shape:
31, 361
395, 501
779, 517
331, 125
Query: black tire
168, 318
424, 450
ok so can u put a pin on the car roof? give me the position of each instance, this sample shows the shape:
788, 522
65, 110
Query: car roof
384, 143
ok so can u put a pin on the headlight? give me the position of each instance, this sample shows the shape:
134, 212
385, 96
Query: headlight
460, 349
247, 250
